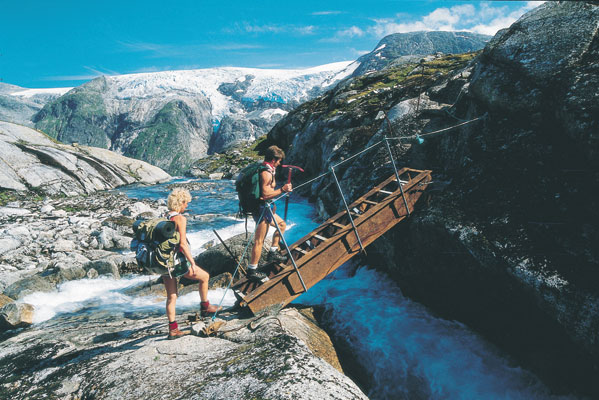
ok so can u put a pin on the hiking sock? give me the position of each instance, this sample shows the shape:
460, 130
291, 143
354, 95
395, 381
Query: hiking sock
204, 304
173, 326
274, 249
252, 266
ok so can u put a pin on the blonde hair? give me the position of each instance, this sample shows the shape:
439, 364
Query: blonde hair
176, 199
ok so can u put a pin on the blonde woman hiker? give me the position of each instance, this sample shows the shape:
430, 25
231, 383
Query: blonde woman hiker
177, 203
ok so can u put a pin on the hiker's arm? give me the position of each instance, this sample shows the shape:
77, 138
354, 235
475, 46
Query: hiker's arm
266, 188
183, 245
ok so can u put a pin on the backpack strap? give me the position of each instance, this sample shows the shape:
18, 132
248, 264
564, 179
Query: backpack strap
267, 167
171, 214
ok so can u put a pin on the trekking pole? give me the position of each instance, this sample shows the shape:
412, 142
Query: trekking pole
289, 181
230, 252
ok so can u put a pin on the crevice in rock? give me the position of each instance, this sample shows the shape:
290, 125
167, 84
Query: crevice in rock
46, 159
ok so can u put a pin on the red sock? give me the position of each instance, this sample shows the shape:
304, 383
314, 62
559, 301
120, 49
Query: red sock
173, 325
205, 304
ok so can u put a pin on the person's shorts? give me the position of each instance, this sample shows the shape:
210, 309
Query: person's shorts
263, 212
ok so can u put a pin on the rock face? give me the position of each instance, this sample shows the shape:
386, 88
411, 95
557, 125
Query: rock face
29, 160
16, 315
170, 119
404, 47
19, 105
120, 358
505, 239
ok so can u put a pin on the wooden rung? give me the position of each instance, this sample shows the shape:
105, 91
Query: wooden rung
385, 191
322, 239
301, 250
336, 225
374, 203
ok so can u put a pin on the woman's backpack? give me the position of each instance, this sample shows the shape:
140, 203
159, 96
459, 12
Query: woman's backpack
155, 245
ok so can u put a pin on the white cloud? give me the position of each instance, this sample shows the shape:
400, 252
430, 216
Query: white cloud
345, 34
326, 13
306, 30
292, 29
351, 32
486, 18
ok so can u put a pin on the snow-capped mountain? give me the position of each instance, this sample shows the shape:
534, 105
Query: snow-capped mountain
171, 118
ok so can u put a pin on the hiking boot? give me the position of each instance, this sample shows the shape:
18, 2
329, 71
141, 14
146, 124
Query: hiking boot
276, 256
176, 333
206, 308
256, 276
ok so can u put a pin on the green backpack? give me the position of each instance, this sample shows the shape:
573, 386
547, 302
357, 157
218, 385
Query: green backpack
248, 188
155, 244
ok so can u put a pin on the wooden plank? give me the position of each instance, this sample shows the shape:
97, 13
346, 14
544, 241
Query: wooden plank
322, 239
372, 203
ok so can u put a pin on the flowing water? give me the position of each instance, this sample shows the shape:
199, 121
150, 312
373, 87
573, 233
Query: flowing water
405, 351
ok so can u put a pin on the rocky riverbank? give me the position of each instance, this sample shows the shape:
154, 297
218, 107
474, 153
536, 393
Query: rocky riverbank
47, 241
116, 355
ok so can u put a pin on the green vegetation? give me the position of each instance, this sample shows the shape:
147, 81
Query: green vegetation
369, 89
81, 105
6, 196
159, 143
238, 157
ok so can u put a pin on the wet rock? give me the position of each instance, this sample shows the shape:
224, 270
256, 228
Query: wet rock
29, 285
16, 315
103, 267
61, 273
92, 273
4, 300
217, 259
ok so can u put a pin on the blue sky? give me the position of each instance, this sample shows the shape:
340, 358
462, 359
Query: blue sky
65, 42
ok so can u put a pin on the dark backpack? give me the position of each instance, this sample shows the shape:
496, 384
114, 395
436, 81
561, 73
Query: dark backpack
155, 245
248, 188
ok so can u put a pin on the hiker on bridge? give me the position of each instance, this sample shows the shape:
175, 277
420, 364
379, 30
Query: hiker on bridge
262, 216
177, 203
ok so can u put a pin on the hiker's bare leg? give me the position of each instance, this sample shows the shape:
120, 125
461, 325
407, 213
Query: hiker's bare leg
198, 274
170, 284
276, 238
261, 232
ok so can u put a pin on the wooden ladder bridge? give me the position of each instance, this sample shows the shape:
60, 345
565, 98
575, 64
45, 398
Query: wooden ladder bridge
334, 242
